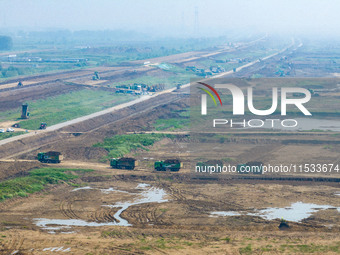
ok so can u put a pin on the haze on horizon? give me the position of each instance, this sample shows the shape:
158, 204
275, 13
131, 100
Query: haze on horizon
175, 17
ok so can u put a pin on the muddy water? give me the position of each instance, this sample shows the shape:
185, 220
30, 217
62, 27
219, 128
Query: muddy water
67, 223
148, 195
319, 124
304, 124
109, 190
151, 195
295, 212
81, 188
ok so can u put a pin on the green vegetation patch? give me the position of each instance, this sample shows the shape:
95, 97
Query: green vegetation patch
66, 107
182, 121
311, 248
171, 124
246, 250
36, 180
119, 145
9, 134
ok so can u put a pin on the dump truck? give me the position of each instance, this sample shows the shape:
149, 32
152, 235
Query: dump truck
210, 166
123, 163
50, 157
171, 164
212, 162
254, 167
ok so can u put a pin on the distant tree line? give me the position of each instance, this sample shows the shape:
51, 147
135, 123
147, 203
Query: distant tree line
6, 42
13, 71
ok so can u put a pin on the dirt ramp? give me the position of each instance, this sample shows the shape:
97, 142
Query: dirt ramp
16, 168
86, 153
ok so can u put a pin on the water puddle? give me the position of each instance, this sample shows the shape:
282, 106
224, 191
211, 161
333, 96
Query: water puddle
148, 195
295, 212
305, 124
142, 185
57, 249
67, 223
109, 190
222, 213
151, 195
82, 188
317, 124
106, 191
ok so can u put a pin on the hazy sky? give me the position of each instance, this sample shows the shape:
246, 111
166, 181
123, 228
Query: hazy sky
174, 16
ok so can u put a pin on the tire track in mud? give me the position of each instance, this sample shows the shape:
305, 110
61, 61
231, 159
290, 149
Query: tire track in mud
231, 204
147, 214
123, 250
103, 215
197, 205
175, 193
15, 244
159, 250
66, 209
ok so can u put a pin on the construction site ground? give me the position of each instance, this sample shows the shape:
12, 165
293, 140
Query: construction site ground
182, 224
181, 221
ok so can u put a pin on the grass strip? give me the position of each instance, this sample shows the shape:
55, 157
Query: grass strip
36, 180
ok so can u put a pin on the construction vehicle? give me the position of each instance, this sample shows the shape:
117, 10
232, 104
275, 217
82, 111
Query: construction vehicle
43, 125
283, 224
96, 76
50, 157
253, 167
123, 163
24, 112
172, 164
210, 166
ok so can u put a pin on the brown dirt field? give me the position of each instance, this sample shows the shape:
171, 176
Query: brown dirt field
12, 168
181, 225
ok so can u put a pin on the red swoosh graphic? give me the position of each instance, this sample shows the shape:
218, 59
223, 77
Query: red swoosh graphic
213, 90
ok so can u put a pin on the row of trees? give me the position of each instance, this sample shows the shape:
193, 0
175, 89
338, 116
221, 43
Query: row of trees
13, 71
